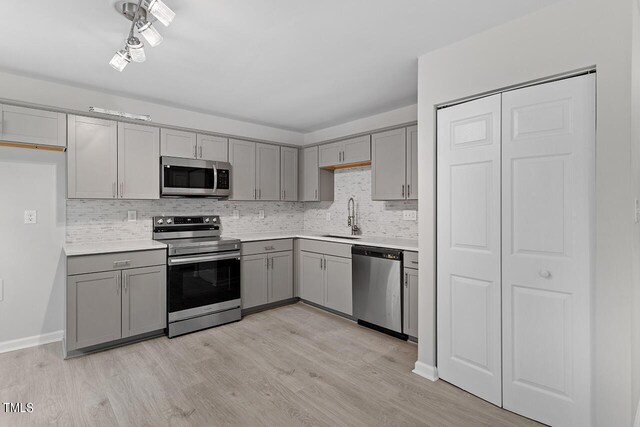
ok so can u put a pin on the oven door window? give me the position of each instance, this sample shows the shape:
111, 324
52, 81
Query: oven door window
203, 283
188, 177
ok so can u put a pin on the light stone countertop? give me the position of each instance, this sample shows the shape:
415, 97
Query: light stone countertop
77, 249
385, 242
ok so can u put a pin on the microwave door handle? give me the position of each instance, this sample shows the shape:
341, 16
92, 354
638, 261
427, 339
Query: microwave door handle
215, 178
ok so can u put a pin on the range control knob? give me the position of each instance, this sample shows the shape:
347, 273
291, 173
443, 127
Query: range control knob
169, 220
215, 219
206, 220
160, 221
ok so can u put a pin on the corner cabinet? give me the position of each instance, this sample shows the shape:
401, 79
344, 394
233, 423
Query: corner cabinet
394, 171
111, 160
112, 297
315, 184
266, 272
32, 126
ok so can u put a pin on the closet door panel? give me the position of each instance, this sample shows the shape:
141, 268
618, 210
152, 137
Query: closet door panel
548, 193
468, 243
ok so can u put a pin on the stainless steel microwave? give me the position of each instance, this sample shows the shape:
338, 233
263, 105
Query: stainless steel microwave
194, 178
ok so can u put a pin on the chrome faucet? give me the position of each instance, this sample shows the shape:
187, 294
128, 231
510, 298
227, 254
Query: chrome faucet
351, 218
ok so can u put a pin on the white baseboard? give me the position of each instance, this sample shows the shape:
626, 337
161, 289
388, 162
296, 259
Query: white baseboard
427, 371
31, 341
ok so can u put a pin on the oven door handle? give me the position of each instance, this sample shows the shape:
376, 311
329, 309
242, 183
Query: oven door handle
196, 259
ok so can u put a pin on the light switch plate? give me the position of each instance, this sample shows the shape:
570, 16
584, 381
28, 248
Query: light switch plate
30, 217
409, 215
236, 214
261, 214
328, 216
132, 215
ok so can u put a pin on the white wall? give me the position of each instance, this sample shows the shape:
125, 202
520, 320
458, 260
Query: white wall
31, 259
57, 95
396, 117
570, 35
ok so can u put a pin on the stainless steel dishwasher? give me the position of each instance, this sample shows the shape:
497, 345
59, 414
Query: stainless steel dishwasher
377, 288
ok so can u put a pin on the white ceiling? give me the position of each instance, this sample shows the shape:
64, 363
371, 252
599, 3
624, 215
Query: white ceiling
292, 64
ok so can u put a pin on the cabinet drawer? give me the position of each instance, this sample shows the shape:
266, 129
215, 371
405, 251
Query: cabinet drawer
411, 259
267, 246
327, 248
115, 261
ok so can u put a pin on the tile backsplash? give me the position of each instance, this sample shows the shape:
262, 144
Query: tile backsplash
106, 220
375, 218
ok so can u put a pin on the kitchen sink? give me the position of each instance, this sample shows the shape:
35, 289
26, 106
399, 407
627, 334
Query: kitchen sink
337, 236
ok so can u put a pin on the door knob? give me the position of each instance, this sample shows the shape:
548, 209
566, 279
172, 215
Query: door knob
545, 274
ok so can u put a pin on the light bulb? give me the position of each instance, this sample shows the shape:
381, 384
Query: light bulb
136, 49
120, 60
161, 11
149, 32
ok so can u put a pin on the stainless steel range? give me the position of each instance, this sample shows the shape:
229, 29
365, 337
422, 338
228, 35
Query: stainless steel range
203, 272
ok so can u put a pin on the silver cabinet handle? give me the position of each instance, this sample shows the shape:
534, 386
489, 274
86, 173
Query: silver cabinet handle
118, 284
260, 193
255, 192
316, 193
124, 283
122, 263
406, 280
200, 151
122, 189
269, 248
321, 264
408, 190
195, 151
402, 190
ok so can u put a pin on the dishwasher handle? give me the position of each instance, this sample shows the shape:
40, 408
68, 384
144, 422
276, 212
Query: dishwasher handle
376, 252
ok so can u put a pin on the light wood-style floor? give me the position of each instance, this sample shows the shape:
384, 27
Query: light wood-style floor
294, 365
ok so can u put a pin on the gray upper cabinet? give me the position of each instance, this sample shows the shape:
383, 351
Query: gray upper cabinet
312, 277
177, 143
316, 184
212, 148
144, 300
138, 165
412, 162
389, 159
93, 309
92, 158
338, 284
32, 126
349, 152
280, 276
288, 173
242, 155
268, 172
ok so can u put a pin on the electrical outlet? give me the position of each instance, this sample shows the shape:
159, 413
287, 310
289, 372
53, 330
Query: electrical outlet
30, 217
328, 216
261, 214
132, 216
236, 214
409, 215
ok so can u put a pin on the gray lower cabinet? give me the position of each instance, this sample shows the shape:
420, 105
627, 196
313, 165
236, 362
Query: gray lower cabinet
315, 184
116, 303
410, 295
326, 280
33, 126
266, 278
394, 165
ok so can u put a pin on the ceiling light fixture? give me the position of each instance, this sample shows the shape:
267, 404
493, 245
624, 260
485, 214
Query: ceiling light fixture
140, 14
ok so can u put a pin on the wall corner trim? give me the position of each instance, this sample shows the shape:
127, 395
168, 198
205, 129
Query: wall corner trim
35, 340
426, 371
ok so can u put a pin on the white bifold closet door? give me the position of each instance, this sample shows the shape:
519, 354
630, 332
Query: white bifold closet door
468, 251
515, 231
548, 187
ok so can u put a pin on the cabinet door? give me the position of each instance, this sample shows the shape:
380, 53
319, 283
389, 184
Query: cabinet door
242, 155
93, 309
338, 284
357, 150
92, 158
253, 276
144, 300
410, 303
412, 163
213, 148
28, 125
289, 173
177, 143
330, 154
388, 165
268, 171
312, 277
138, 161
280, 276
310, 174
